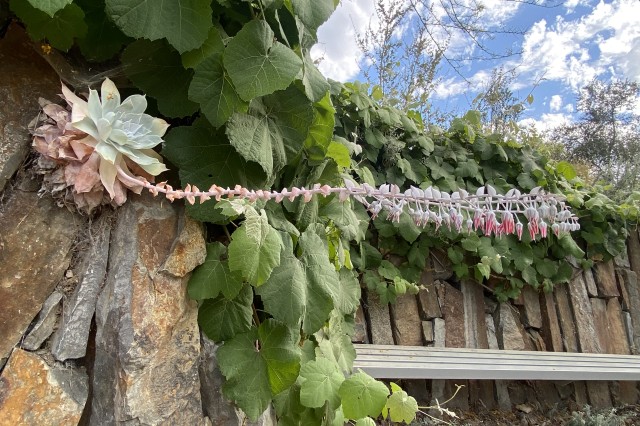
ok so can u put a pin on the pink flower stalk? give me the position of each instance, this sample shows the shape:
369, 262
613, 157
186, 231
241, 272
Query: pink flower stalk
423, 206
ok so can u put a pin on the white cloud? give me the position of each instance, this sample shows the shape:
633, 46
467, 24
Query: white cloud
337, 40
571, 5
556, 103
341, 57
574, 52
546, 121
452, 87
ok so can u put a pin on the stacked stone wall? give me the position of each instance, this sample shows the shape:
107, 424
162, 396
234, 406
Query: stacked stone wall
598, 311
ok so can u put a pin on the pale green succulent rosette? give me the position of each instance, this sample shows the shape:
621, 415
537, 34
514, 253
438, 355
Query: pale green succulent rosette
121, 130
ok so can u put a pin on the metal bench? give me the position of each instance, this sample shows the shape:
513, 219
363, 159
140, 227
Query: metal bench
417, 362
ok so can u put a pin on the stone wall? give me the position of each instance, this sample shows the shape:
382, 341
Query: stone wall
96, 327
597, 312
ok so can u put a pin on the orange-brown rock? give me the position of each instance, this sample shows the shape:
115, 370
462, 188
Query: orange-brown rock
147, 338
32, 393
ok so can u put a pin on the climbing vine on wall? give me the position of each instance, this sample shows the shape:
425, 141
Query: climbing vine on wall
282, 280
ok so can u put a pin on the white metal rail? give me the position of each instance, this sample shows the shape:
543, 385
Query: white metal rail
417, 362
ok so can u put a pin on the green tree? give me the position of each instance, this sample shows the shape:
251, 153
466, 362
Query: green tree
607, 134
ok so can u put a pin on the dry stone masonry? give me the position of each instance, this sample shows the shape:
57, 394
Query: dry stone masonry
96, 327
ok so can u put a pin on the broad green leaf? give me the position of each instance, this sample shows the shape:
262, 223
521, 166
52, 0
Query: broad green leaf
593, 236
522, 256
185, 23
211, 46
257, 64
349, 292
339, 153
278, 220
530, 276
315, 84
322, 280
366, 421
370, 256
213, 90
484, 270
388, 270
362, 396
470, 243
492, 247
321, 129
221, 319
303, 288
313, 13
455, 255
50, 7
404, 166
525, 181
214, 276
564, 273
59, 30
255, 248
320, 381
256, 373
407, 228
288, 407
157, 70
343, 216
339, 349
272, 132
400, 406
547, 267
103, 39
468, 169
204, 157
418, 254
566, 170
570, 247
284, 295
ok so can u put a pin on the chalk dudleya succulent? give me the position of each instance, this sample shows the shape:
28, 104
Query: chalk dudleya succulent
120, 131
87, 148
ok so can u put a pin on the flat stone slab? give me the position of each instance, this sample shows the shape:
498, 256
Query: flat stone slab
35, 249
25, 77
70, 340
45, 323
32, 393
408, 327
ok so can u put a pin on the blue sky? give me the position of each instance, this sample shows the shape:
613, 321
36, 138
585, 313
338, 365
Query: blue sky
564, 47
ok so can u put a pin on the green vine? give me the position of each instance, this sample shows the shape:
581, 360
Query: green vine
248, 107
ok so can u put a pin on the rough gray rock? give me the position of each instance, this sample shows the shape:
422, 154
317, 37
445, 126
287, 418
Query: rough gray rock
408, 327
70, 340
502, 389
45, 323
474, 311
509, 330
147, 342
583, 314
630, 282
532, 315
25, 77
36, 237
380, 321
